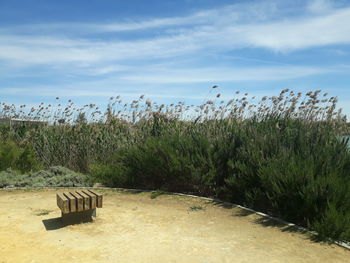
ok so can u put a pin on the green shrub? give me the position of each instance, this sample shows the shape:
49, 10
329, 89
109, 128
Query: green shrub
9, 155
157, 193
170, 162
334, 223
110, 175
19, 158
54, 176
28, 160
10, 178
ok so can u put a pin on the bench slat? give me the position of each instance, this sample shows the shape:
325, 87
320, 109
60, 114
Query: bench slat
72, 202
93, 199
99, 198
86, 199
80, 201
63, 203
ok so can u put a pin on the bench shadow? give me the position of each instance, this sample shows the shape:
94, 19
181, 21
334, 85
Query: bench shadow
57, 223
53, 223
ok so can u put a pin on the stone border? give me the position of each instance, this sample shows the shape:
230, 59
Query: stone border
339, 243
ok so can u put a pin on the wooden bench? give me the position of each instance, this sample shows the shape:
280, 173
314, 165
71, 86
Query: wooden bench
78, 206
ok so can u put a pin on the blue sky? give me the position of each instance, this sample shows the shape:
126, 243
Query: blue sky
171, 51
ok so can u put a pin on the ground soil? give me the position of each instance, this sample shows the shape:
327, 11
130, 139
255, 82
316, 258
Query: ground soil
135, 228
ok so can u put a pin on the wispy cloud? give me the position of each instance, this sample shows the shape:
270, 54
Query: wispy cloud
78, 92
151, 82
290, 35
241, 12
320, 6
221, 30
205, 75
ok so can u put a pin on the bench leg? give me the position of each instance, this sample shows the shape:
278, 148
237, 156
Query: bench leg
78, 217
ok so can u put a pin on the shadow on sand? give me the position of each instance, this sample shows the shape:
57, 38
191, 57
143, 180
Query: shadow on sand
53, 223
268, 221
57, 223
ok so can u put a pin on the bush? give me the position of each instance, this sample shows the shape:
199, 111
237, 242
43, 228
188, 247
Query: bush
111, 175
9, 178
335, 222
170, 162
54, 176
19, 158
9, 155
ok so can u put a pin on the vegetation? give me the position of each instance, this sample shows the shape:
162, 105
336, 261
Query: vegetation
197, 208
54, 176
157, 193
282, 155
17, 157
42, 212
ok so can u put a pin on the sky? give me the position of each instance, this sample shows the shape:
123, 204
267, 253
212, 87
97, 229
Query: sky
172, 51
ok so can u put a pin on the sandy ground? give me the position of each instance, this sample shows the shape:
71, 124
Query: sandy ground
135, 228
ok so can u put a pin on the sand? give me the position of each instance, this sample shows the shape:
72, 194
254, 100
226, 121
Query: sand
135, 228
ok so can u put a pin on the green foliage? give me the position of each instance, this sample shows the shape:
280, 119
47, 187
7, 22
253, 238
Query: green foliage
19, 158
81, 119
28, 160
197, 208
157, 193
80, 146
9, 178
170, 162
54, 176
9, 155
335, 223
110, 175
42, 212
293, 170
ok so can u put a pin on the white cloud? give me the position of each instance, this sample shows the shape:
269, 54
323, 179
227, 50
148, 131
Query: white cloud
241, 12
205, 75
320, 6
29, 52
292, 35
68, 92
218, 30
164, 81
107, 69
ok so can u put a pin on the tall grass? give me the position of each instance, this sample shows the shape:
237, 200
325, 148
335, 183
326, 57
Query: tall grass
282, 154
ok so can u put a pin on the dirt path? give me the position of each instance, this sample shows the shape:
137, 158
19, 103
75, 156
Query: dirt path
135, 228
